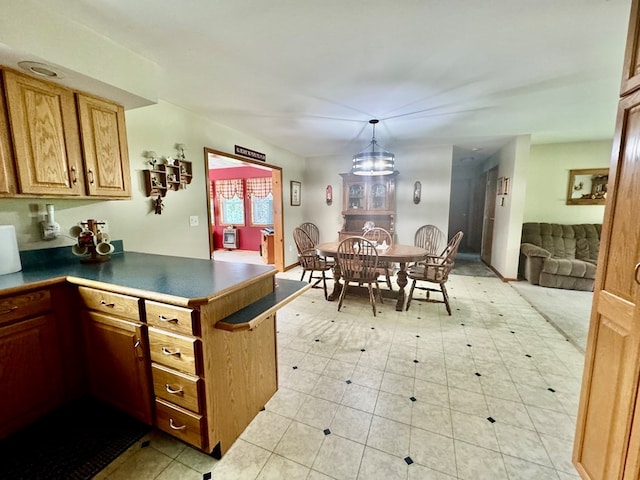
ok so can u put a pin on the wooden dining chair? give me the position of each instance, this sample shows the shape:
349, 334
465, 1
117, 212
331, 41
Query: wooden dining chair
430, 238
358, 262
435, 270
309, 259
312, 230
380, 236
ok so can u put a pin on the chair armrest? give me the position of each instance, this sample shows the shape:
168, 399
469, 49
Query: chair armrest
531, 250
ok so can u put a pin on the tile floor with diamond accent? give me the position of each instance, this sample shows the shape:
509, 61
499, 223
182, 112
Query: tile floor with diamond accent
490, 392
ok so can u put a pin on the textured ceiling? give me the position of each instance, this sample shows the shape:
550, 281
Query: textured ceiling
307, 76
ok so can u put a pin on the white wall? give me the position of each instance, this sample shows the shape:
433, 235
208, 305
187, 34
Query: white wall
512, 161
548, 179
157, 127
431, 166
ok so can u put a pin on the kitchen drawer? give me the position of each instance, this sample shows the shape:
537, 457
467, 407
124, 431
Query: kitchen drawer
173, 350
24, 306
122, 305
179, 388
170, 317
180, 423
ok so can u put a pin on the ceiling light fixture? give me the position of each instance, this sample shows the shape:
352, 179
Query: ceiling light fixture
373, 160
41, 69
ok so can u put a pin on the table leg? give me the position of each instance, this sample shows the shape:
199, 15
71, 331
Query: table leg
402, 282
337, 286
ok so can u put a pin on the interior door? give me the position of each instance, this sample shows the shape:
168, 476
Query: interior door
489, 215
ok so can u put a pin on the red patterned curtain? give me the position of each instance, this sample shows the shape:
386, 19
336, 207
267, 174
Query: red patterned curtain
259, 187
228, 188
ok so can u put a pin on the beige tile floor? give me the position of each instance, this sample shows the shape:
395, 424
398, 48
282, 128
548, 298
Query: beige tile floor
490, 392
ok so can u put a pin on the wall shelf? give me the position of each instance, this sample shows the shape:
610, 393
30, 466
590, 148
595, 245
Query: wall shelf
168, 176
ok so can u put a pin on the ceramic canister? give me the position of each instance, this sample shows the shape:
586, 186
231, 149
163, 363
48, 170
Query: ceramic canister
9, 254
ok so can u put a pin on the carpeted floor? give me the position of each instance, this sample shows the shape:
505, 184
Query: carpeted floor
72, 443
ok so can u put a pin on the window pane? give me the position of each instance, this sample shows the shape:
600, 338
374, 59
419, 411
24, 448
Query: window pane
262, 210
231, 211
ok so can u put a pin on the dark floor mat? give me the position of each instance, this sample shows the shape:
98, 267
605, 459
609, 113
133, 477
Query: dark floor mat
471, 265
72, 443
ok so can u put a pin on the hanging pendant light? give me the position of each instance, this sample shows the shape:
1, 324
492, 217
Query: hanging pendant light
373, 160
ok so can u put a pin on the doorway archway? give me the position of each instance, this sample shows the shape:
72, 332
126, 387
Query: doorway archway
211, 155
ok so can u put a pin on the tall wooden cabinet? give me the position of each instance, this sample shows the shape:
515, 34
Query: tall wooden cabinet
367, 199
607, 442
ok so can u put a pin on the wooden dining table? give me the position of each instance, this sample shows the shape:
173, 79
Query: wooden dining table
397, 253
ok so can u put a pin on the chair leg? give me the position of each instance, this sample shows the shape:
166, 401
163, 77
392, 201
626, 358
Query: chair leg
372, 298
446, 297
324, 284
302, 277
342, 293
389, 281
379, 293
413, 285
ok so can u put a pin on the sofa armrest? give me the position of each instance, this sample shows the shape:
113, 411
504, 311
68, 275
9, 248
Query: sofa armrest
531, 250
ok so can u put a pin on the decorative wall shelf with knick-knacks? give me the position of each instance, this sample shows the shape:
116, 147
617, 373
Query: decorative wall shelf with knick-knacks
167, 174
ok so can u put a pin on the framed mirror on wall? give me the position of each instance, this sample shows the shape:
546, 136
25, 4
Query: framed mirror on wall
587, 186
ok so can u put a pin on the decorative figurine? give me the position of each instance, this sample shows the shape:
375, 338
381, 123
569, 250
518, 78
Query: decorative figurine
158, 205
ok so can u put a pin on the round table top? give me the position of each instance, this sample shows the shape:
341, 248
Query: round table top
396, 253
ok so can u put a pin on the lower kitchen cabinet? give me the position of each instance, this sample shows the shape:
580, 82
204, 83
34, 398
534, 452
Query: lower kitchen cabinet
30, 364
117, 351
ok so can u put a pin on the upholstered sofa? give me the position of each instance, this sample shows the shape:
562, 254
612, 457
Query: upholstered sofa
560, 256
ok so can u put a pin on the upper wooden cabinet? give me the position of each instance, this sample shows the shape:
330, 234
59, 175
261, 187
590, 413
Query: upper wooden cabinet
104, 145
7, 170
62, 148
631, 65
45, 136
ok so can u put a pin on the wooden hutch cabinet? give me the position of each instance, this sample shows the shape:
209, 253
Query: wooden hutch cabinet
368, 199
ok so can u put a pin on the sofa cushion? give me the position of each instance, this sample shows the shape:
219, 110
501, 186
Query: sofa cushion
569, 267
564, 241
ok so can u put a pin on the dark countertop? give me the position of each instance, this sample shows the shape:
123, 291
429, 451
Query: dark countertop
185, 281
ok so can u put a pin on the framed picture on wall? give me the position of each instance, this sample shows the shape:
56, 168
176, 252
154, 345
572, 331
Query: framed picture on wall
296, 188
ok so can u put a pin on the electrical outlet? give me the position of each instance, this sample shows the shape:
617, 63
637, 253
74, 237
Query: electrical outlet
194, 221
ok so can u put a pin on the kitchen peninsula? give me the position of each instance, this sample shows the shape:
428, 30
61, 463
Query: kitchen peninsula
184, 344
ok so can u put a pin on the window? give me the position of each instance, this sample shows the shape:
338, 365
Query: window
262, 211
231, 201
260, 192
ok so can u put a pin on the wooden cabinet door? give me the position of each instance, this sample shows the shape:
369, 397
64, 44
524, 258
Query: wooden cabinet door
45, 136
30, 372
606, 446
7, 171
118, 363
104, 145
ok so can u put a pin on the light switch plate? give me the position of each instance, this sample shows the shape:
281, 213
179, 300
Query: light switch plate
194, 221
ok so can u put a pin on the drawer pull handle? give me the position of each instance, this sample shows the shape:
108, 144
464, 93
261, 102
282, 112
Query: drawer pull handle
110, 305
9, 310
174, 391
165, 319
635, 273
176, 427
168, 351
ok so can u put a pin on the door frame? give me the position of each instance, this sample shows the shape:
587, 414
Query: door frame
278, 206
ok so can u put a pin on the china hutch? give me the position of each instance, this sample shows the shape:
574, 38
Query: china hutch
367, 199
